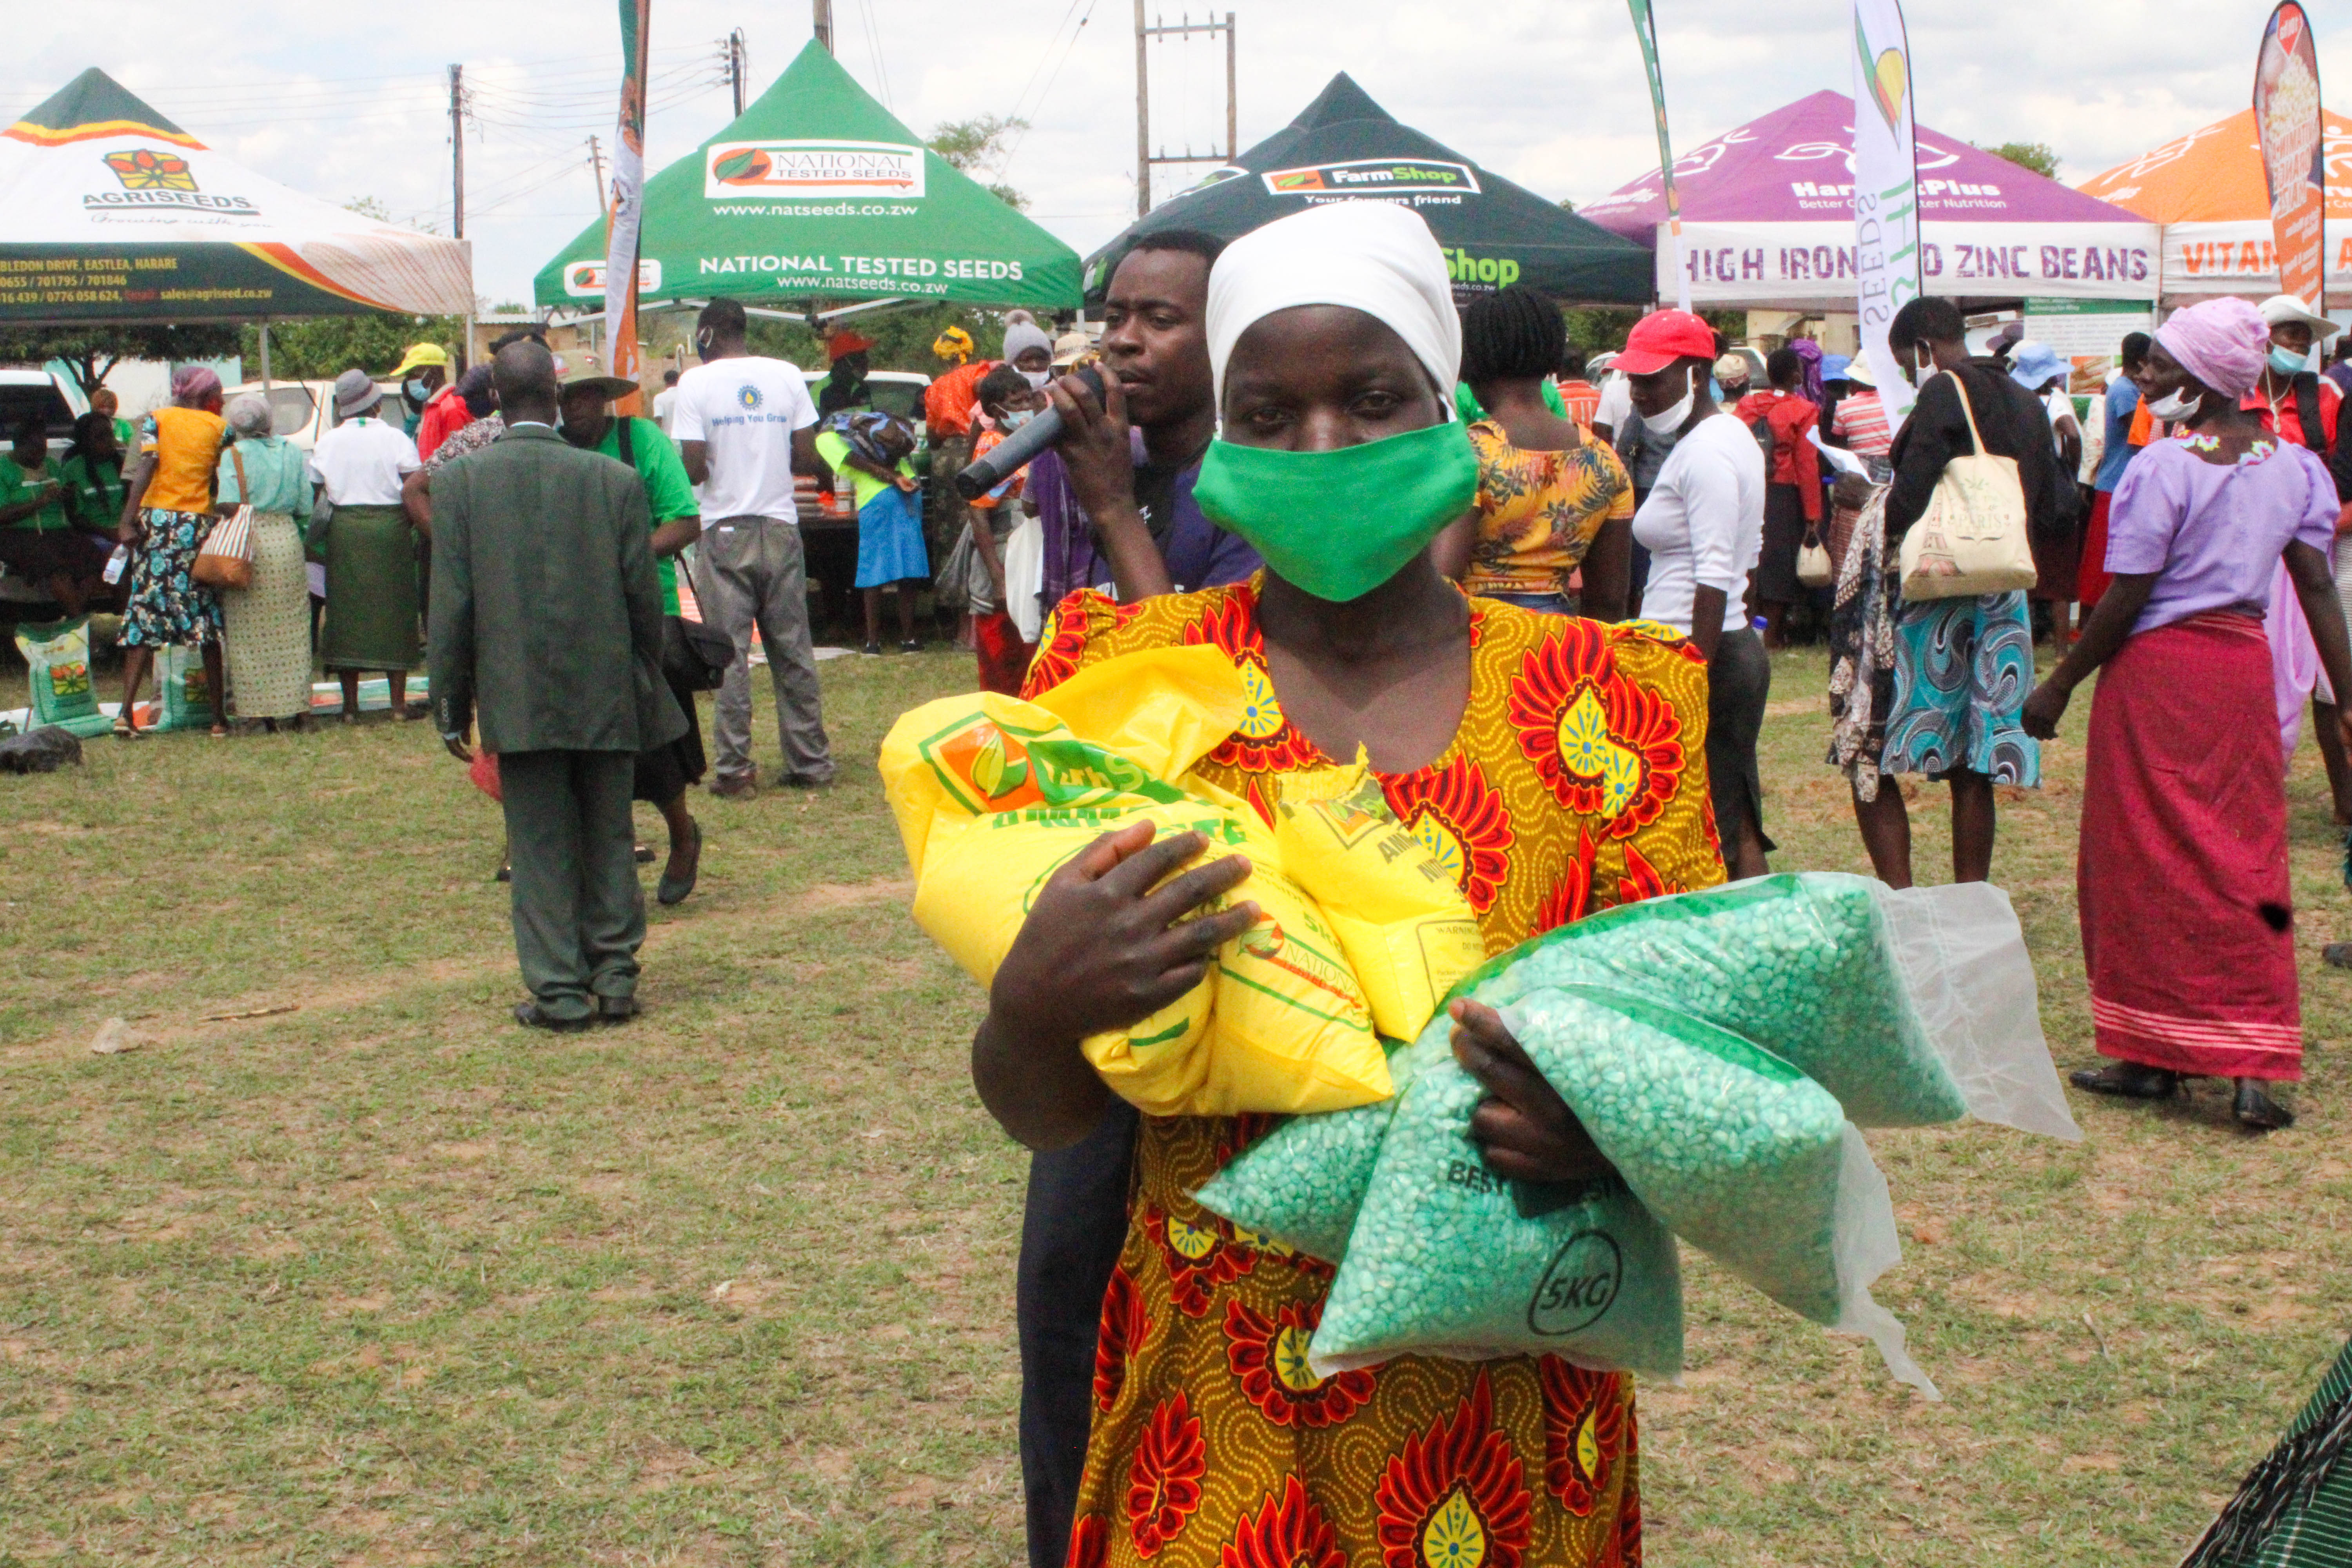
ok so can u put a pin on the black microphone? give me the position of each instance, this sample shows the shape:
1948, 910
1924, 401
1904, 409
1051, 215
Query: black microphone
1010, 455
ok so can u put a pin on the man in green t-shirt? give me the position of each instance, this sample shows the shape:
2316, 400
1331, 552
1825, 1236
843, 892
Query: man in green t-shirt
103, 401
663, 771
37, 540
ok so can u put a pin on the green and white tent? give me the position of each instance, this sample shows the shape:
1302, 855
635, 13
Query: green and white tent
117, 215
816, 195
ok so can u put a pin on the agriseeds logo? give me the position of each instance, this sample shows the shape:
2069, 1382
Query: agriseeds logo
1372, 177
145, 170
818, 168
160, 179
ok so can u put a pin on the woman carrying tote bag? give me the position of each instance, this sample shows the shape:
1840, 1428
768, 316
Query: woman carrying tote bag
1962, 665
268, 630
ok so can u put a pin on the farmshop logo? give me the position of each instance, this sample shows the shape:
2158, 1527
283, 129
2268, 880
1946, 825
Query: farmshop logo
1371, 177
141, 170
586, 280
802, 169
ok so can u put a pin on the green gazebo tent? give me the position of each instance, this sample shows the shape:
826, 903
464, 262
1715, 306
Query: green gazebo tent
817, 194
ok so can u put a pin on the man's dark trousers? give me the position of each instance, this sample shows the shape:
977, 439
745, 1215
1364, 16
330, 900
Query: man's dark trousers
579, 914
1072, 1227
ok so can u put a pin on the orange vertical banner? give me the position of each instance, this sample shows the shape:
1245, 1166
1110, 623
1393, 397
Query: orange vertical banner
2294, 164
622, 216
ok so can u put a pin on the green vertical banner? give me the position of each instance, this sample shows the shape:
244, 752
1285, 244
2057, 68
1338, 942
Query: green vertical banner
623, 219
1645, 33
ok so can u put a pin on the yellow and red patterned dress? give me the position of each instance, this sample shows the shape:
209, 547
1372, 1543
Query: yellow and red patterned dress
1577, 780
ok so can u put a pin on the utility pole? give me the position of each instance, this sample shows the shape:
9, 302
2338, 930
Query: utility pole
1144, 156
596, 161
1232, 97
457, 150
1142, 120
737, 58
825, 23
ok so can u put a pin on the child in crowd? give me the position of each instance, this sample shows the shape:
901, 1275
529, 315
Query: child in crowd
1007, 402
873, 449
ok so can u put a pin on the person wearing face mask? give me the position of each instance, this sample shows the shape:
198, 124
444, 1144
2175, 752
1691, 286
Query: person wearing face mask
2188, 923
1007, 402
1961, 665
845, 383
1115, 496
1028, 349
1703, 524
1335, 348
2294, 400
421, 373
1732, 374
743, 424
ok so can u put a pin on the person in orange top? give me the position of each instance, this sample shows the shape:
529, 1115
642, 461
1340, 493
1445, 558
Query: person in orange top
167, 513
1579, 398
1792, 495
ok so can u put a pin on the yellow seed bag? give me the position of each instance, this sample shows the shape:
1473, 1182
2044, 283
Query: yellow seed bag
1407, 931
993, 795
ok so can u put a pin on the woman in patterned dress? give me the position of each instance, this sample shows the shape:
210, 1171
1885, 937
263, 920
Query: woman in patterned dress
1555, 764
166, 517
268, 620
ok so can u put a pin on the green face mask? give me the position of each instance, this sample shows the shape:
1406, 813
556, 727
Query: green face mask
1340, 524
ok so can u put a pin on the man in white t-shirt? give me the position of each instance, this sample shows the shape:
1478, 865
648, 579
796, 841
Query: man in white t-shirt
742, 424
665, 400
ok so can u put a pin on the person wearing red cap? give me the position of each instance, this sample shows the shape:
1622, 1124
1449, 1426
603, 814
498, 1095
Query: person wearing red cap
845, 387
1703, 524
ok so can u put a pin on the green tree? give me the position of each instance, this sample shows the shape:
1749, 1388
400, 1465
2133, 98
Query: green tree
2038, 156
1598, 329
979, 147
92, 351
902, 337
323, 347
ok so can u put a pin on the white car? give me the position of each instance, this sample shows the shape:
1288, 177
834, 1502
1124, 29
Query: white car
25, 393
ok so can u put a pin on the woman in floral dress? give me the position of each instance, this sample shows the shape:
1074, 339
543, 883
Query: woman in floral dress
166, 519
1555, 765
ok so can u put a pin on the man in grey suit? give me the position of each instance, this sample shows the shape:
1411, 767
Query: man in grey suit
547, 626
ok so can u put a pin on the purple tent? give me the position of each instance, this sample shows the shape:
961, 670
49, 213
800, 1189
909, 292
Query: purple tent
1768, 220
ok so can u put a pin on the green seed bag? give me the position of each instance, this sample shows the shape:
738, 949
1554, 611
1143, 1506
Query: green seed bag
56, 657
1443, 1261
1802, 964
1303, 1183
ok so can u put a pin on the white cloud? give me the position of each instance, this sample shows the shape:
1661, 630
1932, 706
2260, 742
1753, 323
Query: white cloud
1546, 93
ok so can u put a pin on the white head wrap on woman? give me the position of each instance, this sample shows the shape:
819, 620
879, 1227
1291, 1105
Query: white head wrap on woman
1377, 257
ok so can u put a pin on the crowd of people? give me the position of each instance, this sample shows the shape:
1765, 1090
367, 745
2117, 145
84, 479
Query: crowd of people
1427, 537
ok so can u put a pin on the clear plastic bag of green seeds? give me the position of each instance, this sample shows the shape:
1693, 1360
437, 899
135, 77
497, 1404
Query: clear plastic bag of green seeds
1447, 1259
1732, 1148
1303, 1183
1913, 1007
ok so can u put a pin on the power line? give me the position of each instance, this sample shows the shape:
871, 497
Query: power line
1004, 164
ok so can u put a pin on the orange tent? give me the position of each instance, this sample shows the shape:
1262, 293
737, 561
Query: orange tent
2206, 188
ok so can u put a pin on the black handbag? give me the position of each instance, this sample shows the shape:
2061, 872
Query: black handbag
694, 657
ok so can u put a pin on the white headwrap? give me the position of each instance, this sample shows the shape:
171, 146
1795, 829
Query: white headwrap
1377, 257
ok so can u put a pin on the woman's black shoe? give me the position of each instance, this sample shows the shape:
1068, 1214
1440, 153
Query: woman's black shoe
674, 889
2128, 1079
2258, 1110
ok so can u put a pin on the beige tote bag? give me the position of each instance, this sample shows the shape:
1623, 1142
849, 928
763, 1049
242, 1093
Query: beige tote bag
1971, 539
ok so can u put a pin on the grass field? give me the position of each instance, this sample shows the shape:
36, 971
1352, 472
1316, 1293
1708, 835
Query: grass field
386, 1279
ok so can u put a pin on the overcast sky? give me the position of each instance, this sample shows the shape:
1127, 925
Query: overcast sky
1547, 92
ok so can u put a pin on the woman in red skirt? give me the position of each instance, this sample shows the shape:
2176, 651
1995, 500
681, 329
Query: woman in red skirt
2188, 923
